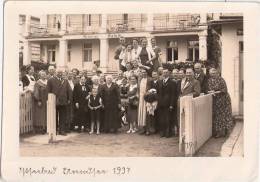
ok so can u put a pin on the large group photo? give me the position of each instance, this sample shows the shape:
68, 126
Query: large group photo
131, 84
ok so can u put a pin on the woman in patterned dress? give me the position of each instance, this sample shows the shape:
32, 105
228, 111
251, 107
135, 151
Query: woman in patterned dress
222, 111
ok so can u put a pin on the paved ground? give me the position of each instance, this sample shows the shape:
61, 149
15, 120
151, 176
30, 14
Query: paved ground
125, 145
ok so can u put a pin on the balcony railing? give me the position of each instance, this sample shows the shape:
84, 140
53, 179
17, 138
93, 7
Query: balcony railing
79, 27
178, 22
43, 30
130, 25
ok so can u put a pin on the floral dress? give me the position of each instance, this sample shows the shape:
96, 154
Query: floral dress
222, 110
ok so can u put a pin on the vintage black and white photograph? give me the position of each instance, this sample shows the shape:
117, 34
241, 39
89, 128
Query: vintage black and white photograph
131, 85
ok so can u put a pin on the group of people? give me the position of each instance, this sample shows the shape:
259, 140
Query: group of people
144, 95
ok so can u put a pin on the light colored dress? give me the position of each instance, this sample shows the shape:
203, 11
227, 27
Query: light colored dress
142, 103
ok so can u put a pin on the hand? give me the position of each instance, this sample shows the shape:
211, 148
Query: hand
39, 103
77, 105
171, 108
68, 101
87, 97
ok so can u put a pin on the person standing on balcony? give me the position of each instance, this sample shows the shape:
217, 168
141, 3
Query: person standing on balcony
58, 86
41, 95
222, 110
146, 55
29, 79
121, 47
167, 102
200, 76
156, 60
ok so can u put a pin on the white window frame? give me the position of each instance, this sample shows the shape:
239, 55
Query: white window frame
193, 46
173, 48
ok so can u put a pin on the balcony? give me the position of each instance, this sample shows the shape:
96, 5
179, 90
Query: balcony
43, 30
80, 28
177, 22
129, 25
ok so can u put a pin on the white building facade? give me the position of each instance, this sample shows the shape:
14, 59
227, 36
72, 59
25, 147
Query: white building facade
77, 40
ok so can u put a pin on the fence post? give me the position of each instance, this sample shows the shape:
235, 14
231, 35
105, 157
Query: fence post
51, 117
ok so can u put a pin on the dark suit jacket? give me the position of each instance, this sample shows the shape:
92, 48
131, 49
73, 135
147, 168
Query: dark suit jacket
193, 88
117, 52
203, 81
61, 89
167, 95
178, 87
79, 96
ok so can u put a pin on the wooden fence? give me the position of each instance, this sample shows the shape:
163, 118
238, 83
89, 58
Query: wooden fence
26, 112
195, 123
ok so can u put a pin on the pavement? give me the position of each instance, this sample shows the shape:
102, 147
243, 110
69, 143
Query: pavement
126, 145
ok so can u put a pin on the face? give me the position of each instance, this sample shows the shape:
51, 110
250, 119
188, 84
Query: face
43, 75
154, 75
135, 43
153, 42
133, 80
109, 80
64, 75
95, 81
102, 78
94, 92
165, 73
82, 80
74, 72
144, 43
128, 66
70, 75
129, 48
181, 74
213, 72
135, 64
175, 74
120, 74
189, 73
122, 40
160, 70
197, 68
31, 70
59, 74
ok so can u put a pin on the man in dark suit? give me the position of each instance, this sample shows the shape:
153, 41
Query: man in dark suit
154, 84
61, 89
80, 94
201, 77
118, 51
166, 103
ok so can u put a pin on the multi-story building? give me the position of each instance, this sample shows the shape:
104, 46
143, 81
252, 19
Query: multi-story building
77, 40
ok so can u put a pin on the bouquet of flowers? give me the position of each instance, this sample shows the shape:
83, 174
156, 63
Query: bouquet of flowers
151, 99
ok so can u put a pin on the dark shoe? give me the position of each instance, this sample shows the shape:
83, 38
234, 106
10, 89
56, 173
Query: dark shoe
63, 133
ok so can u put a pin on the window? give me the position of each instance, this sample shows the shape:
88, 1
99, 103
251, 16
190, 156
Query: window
87, 52
69, 52
172, 51
51, 53
193, 50
125, 18
88, 20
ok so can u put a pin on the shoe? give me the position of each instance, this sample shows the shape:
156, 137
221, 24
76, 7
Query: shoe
91, 132
133, 131
98, 133
63, 133
147, 133
129, 131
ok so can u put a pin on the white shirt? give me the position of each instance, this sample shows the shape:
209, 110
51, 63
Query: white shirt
71, 84
32, 82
